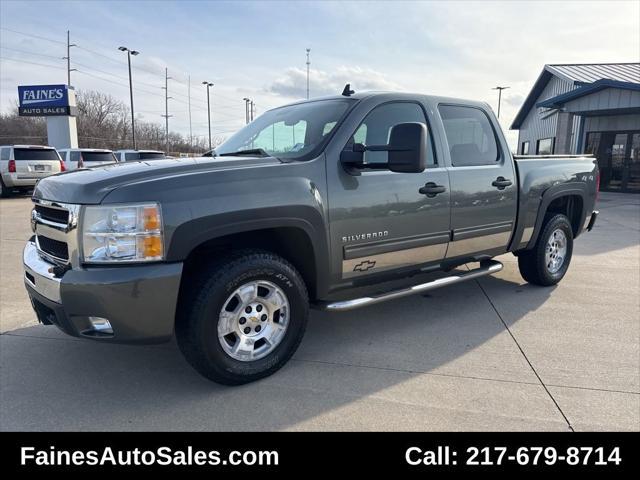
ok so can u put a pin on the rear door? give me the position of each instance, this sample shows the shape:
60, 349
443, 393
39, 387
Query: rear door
483, 182
36, 163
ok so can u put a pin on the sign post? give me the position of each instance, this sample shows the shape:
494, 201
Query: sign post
58, 104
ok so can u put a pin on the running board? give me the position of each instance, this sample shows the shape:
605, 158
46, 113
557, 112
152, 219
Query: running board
486, 268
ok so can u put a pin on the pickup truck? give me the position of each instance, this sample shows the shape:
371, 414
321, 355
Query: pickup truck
298, 209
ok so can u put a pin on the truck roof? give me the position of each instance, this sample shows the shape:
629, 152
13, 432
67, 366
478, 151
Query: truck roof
392, 96
84, 150
130, 150
46, 147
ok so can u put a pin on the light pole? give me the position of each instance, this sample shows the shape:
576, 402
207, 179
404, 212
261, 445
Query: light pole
68, 58
499, 96
133, 127
246, 110
166, 109
308, 64
208, 85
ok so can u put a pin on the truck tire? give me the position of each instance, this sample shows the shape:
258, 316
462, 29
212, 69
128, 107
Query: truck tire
548, 261
4, 191
242, 318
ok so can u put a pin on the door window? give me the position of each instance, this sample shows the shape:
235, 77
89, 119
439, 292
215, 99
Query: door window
471, 138
375, 129
75, 156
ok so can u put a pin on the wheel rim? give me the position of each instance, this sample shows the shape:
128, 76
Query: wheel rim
556, 251
253, 320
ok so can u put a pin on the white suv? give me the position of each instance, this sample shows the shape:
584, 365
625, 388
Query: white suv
133, 155
21, 166
85, 157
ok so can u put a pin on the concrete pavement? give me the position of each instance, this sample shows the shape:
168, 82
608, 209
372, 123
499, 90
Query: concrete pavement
497, 354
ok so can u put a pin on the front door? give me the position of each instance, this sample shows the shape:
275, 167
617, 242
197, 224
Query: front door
382, 220
483, 183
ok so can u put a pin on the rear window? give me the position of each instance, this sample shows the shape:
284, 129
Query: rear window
470, 136
150, 155
98, 157
35, 154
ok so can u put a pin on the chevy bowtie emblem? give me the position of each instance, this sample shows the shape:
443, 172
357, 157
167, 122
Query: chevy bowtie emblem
364, 266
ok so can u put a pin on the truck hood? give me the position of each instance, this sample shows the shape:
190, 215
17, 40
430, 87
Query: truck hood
91, 185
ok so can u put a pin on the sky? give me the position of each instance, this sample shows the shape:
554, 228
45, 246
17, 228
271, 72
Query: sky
257, 50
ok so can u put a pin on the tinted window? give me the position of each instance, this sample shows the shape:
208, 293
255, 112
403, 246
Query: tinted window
98, 157
545, 146
470, 136
35, 154
131, 156
5, 153
74, 156
150, 155
376, 128
525, 148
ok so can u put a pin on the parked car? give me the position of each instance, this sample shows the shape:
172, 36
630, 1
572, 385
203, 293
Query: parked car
21, 166
309, 201
134, 155
86, 157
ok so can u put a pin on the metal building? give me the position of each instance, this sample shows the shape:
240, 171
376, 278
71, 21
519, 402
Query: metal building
586, 108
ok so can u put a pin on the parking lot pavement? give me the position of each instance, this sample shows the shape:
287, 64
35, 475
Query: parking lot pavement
493, 354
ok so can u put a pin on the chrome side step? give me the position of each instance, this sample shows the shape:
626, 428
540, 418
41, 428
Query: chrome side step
486, 268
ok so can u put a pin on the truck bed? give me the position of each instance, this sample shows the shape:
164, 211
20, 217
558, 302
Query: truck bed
552, 175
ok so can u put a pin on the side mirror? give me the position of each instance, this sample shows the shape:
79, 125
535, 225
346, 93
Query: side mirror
407, 148
406, 151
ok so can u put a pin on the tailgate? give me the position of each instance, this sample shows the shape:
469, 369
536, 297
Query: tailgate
36, 162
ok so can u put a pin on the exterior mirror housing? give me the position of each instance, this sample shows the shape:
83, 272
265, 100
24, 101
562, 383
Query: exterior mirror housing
407, 148
406, 151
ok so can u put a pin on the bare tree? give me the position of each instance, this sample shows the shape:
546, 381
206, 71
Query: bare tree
103, 122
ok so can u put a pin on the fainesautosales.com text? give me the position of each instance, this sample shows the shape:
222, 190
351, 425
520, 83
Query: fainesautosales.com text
141, 457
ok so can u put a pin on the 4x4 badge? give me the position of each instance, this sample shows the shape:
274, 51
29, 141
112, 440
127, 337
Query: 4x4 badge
364, 266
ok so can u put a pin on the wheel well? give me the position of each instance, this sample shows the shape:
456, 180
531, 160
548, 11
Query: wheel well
292, 244
571, 206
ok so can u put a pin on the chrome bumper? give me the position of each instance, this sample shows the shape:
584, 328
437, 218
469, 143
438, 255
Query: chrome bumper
37, 274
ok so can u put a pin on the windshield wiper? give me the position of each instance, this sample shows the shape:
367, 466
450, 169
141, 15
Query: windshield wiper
253, 151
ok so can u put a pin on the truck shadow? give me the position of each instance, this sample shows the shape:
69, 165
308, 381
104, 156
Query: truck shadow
345, 360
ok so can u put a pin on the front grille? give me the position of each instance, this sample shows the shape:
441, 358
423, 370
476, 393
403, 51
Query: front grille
53, 247
53, 214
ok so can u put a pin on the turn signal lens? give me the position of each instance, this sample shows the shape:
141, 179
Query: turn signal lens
151, 218
152, 247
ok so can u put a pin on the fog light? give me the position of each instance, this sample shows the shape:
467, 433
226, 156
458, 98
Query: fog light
101, 325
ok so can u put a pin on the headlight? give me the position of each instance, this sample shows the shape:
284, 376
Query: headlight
122, 233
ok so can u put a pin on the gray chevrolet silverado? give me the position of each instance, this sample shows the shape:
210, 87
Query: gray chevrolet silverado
301, 207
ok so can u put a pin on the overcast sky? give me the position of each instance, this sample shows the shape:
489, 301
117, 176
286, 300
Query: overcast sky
257, 49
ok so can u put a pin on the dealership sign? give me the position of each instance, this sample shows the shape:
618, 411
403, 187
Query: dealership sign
44, 100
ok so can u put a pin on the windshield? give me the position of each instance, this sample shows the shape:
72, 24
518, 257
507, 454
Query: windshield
289, 132
35, 154
98, 157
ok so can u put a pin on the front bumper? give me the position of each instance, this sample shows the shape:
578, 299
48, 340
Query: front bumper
139, 301
13, 180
